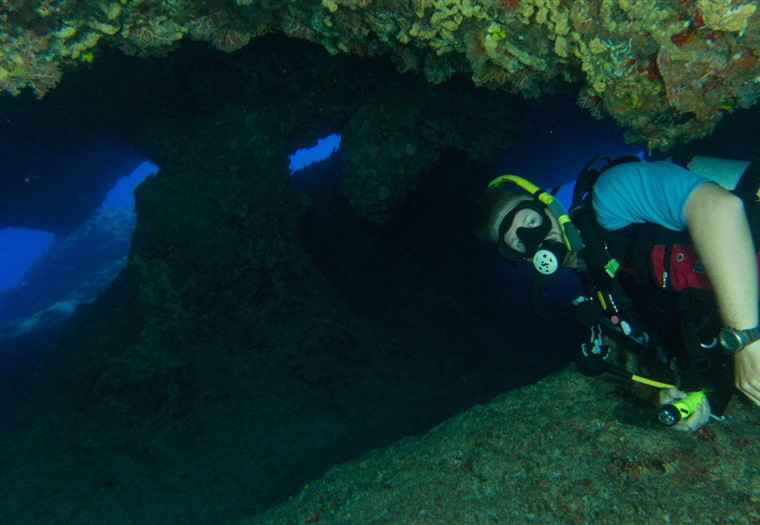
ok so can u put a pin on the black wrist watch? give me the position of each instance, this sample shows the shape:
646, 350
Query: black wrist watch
734, 340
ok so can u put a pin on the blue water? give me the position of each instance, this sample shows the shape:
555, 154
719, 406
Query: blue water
122, 196
322, 150
20, 248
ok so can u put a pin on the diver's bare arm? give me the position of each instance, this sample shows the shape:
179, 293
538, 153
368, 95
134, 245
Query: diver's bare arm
721, 235
718, 226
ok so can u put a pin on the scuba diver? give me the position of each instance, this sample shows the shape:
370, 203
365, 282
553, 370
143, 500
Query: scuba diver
667, 258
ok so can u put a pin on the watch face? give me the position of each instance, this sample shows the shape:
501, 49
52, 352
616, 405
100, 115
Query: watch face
730, 340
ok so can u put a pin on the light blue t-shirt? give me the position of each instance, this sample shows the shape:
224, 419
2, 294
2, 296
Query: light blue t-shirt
637, 192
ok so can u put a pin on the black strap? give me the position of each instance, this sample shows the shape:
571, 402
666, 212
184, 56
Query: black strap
702, 367
596, 255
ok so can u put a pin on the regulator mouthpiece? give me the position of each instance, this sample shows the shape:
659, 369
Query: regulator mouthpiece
549, 257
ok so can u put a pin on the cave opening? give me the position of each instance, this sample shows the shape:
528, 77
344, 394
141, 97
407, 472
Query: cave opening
274, 322
48, 276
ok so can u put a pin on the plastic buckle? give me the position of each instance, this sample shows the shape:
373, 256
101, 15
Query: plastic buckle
612, 267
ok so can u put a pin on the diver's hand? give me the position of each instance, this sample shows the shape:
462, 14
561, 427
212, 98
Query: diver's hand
747, 371
695, 421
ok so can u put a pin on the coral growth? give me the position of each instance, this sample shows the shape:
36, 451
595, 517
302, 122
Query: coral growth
678, 61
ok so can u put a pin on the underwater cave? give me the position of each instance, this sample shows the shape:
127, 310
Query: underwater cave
258, 264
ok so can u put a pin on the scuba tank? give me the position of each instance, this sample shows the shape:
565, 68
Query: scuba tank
725, 172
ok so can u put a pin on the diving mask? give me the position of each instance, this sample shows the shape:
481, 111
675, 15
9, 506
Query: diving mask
547, 255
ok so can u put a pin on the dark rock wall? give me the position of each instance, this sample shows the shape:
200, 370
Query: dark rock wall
268, 326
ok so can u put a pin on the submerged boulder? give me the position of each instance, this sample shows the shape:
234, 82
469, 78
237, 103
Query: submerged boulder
548, 453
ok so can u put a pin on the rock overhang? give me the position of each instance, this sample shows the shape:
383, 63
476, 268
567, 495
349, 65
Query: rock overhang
666, 70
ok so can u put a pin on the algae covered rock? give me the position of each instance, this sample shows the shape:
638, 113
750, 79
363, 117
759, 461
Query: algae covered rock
667, 70
565, 450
